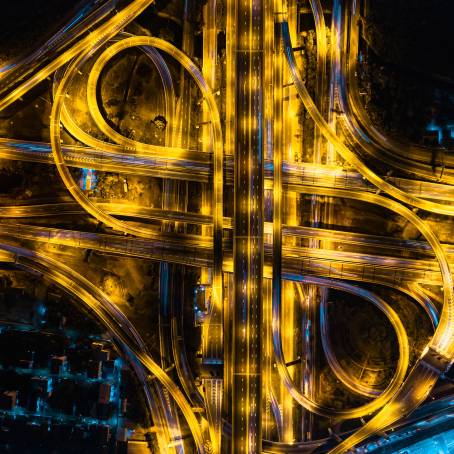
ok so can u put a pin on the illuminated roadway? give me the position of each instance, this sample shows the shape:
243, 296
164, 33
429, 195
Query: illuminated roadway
102, 34
248, 231
252, 158
423, 376
91, 14
110, 316
408, 157
200, 168
184, 249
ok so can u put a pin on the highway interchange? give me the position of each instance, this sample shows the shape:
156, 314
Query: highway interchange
258, 259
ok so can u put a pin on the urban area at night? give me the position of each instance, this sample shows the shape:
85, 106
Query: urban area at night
226, 227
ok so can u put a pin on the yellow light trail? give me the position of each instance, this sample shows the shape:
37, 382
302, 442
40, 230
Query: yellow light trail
110, 316
255, 128
248, 234
97, 212
93, 40
343, 150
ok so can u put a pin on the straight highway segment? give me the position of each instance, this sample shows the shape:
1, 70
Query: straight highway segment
248, 230
199, 168
246, 140
199, 254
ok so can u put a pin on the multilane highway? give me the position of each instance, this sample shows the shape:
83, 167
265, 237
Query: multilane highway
197, 252
85, 292
248, 230
264, 88
200, 169
425, 373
